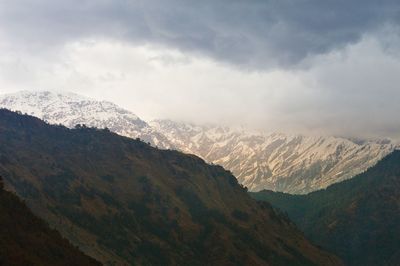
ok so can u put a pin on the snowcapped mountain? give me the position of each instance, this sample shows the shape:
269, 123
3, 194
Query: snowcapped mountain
293, 164
70, 109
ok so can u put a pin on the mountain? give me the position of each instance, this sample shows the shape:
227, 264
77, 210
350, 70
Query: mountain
357, 219
293, 164
27, 240
124, 202
70, 109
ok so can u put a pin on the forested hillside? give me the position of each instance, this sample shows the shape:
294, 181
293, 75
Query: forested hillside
27, 240
357, 219
123, 201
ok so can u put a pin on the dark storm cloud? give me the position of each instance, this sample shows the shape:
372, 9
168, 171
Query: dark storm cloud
345, 56
250, 34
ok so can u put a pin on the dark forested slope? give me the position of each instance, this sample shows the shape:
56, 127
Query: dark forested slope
122, 201
358, 219
27, 240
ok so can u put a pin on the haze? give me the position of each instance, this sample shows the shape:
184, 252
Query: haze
313, 67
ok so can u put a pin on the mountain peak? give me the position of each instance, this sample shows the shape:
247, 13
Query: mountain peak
71, 109
38, 102
276, 161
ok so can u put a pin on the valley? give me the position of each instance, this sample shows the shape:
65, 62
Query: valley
356, 219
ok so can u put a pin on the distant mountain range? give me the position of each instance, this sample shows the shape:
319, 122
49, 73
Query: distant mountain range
124, 202
294, 164
357, 219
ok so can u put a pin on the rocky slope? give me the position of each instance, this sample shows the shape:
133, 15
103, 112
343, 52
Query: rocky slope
294, 164
279, 162
125, 202
357, 219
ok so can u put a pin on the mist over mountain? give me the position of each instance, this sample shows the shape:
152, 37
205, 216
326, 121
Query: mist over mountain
279, 162
124, 202
226, 133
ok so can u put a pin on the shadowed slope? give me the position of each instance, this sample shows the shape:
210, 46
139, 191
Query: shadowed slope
357, 219
122, 201
27, 240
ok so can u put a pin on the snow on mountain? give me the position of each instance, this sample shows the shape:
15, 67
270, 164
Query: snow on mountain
293, 164
71, 109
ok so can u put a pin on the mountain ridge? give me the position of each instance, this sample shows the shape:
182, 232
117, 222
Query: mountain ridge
357, 219
71, 109
125, 202
296, 164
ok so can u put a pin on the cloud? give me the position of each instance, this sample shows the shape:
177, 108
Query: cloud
248, 34
352, 92
313, 67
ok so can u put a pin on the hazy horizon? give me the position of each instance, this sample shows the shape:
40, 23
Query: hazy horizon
229, 126
313, 68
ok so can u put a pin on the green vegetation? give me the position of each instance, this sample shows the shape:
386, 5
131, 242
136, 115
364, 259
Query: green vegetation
27, 240
121, 200
357, 219
242, 216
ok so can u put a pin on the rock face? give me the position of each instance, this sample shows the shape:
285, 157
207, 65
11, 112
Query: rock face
294, 164
357, 219
126, 203
279, 162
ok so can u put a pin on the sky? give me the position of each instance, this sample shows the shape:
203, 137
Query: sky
301, 66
